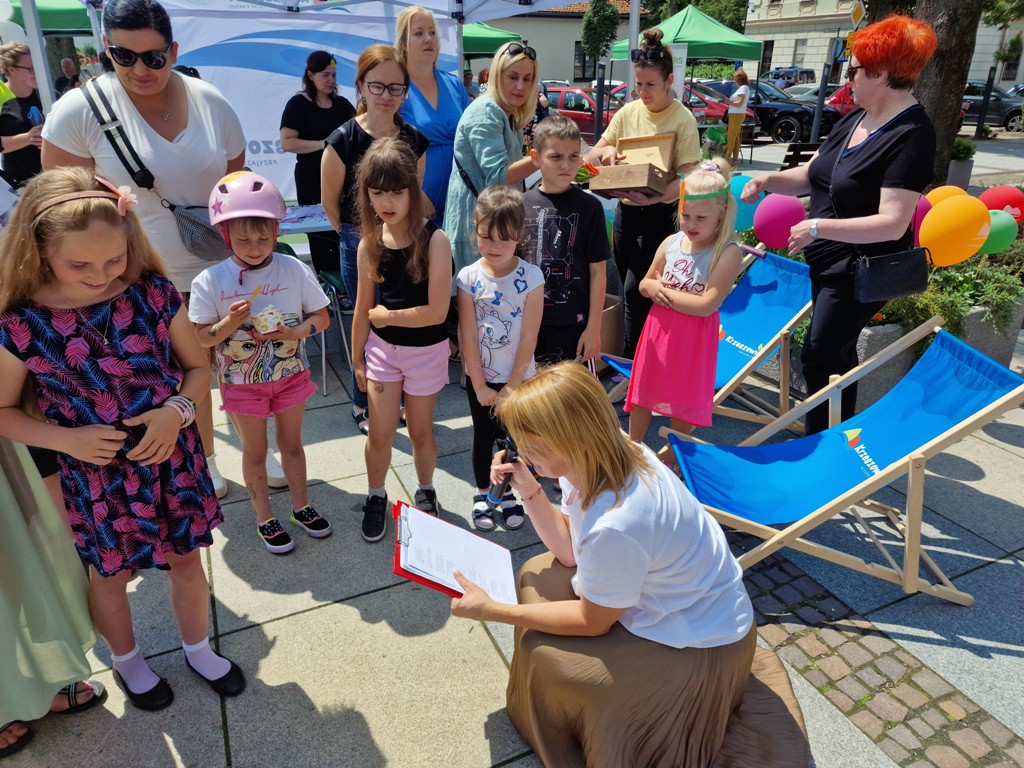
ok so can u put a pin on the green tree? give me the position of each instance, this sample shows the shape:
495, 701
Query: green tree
731, 13
600, 28
1001, 13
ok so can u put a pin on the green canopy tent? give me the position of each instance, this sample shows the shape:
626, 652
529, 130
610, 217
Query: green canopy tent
478, 39
705, 38
57, 16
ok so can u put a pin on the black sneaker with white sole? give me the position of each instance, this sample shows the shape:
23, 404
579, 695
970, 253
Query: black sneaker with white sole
375, 518
275, 538
311, 522
425, 500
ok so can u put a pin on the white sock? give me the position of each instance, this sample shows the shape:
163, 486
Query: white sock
377, 492
135, 671
424, 486
205, 661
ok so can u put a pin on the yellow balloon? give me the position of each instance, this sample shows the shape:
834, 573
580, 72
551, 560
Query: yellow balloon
955, 229
939, 194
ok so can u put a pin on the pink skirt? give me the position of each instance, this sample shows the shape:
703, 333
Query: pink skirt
674, 370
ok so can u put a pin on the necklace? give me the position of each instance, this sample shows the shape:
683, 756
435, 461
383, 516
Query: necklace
82, 318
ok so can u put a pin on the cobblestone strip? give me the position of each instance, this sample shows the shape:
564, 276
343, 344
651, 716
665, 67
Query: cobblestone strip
917, 718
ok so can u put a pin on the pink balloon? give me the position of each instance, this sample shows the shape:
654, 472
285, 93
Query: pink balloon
923, 206
775, 216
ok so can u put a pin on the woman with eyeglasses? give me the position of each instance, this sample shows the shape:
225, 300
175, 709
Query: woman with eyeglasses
381, 83
309, 118
183, 129
864, 184
436, 99
643, 222
20, 135
489, 143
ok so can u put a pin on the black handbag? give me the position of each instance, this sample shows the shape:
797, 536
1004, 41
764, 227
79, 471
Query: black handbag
891, 275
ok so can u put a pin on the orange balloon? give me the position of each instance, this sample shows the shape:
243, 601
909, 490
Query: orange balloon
955, 229
939, 194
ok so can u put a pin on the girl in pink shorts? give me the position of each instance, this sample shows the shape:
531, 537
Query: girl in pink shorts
399, 341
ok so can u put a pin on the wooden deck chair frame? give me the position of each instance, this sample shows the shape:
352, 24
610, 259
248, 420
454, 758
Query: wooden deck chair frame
759, 411
907, 523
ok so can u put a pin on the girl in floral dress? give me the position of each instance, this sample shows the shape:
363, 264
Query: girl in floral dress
86, 310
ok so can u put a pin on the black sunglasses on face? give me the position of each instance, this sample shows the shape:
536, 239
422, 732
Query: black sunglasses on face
514, 49
852, 72
127, 58
650, 55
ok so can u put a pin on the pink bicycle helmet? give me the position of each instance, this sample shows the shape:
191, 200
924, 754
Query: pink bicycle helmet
245, 194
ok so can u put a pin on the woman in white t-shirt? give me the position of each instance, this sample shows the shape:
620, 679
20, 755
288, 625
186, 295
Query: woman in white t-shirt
183, 129
737, 113
636, 634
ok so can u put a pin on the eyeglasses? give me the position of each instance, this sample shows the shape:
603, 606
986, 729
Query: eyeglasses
650, 55
127, 58
514, 49
851, 72
30, 70
377, 89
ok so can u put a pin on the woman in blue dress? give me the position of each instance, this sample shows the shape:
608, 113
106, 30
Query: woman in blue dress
435, 102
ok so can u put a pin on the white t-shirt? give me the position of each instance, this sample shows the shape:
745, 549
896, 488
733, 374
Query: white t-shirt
288, 285
499, 303
185, 169
664, 559
744, 91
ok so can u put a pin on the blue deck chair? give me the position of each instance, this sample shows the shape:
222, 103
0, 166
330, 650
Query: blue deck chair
797, 485
757, 318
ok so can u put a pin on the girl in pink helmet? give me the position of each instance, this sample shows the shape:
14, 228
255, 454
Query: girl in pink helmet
256, 310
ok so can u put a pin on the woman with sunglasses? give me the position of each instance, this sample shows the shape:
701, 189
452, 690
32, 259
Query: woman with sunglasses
182, 128
307, 121
436, 99
381, 83
864, 184
20, 135
489, 143
643, 222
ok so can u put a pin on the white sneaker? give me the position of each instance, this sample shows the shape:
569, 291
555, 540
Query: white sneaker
275, 474
220, 486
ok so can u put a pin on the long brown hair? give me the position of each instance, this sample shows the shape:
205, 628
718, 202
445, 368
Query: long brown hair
24, 269
390, 165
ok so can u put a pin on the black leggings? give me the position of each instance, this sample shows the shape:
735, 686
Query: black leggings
639, 230
487, 430
323, 246
831, 345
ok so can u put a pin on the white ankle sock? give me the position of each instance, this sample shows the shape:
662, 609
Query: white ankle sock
135, 671
376, 491
205, 661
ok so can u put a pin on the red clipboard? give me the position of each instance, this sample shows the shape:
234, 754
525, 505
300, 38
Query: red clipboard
399, 570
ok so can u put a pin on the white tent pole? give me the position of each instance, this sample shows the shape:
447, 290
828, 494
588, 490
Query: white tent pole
634, 36
97, 31
33, 30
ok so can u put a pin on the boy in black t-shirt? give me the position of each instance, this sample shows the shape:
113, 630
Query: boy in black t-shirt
567, 238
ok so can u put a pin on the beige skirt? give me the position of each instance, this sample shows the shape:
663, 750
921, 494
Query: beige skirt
618, 700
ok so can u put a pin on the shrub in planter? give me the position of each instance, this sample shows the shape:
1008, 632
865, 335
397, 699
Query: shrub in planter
963, 149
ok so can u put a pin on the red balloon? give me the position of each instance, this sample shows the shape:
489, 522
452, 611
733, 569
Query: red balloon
1004, 198
923, 206
775, 216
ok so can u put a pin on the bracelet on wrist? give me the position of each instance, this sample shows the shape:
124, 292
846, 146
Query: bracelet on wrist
185, 408
533, 495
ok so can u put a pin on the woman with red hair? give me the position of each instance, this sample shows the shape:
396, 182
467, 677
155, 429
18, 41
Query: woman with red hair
864, 183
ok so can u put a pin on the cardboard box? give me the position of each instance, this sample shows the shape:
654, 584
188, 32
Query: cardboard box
646, 167
613, 329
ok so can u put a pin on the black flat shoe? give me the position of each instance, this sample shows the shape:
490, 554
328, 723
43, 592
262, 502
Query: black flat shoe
231, 684
159, 696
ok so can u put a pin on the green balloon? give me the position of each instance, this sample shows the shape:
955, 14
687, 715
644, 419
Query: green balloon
1002, 234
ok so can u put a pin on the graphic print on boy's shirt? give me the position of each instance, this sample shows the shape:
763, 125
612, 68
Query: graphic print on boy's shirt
551, 247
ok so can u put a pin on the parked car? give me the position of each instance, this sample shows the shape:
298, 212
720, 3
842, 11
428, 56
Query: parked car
579, 105
809, 91
792, 75
1016, 90
709, 102
842, 99
1004, 110
784, 119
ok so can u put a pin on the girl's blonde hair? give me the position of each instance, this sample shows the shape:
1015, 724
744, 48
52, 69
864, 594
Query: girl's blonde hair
564, 410
34, 227
501, 209
372, 57
502, 60
710, 181
403, 28
390, 165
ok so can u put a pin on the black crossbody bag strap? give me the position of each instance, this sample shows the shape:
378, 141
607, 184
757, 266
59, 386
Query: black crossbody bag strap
465, 177
114, 132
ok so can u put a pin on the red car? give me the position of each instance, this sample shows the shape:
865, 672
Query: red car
842, 99
579, 105
708, 106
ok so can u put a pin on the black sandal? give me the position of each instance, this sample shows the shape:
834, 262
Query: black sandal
362, 419
483, 517
99, 695
20, 742
513, 516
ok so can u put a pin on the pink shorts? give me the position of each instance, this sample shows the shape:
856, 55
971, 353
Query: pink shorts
263, 400
423, 370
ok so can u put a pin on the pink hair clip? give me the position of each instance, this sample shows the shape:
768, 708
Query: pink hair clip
126, 199
709, 166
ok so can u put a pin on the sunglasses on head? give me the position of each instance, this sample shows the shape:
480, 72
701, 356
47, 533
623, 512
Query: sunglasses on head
648, 55
127, 58
514, 49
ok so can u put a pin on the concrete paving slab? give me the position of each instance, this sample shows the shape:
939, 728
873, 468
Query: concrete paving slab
384, 679
979, 650
1007, 432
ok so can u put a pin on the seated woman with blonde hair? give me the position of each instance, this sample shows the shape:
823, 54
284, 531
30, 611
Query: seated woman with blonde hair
635, 636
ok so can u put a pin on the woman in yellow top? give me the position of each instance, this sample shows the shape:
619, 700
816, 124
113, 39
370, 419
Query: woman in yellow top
642, 221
